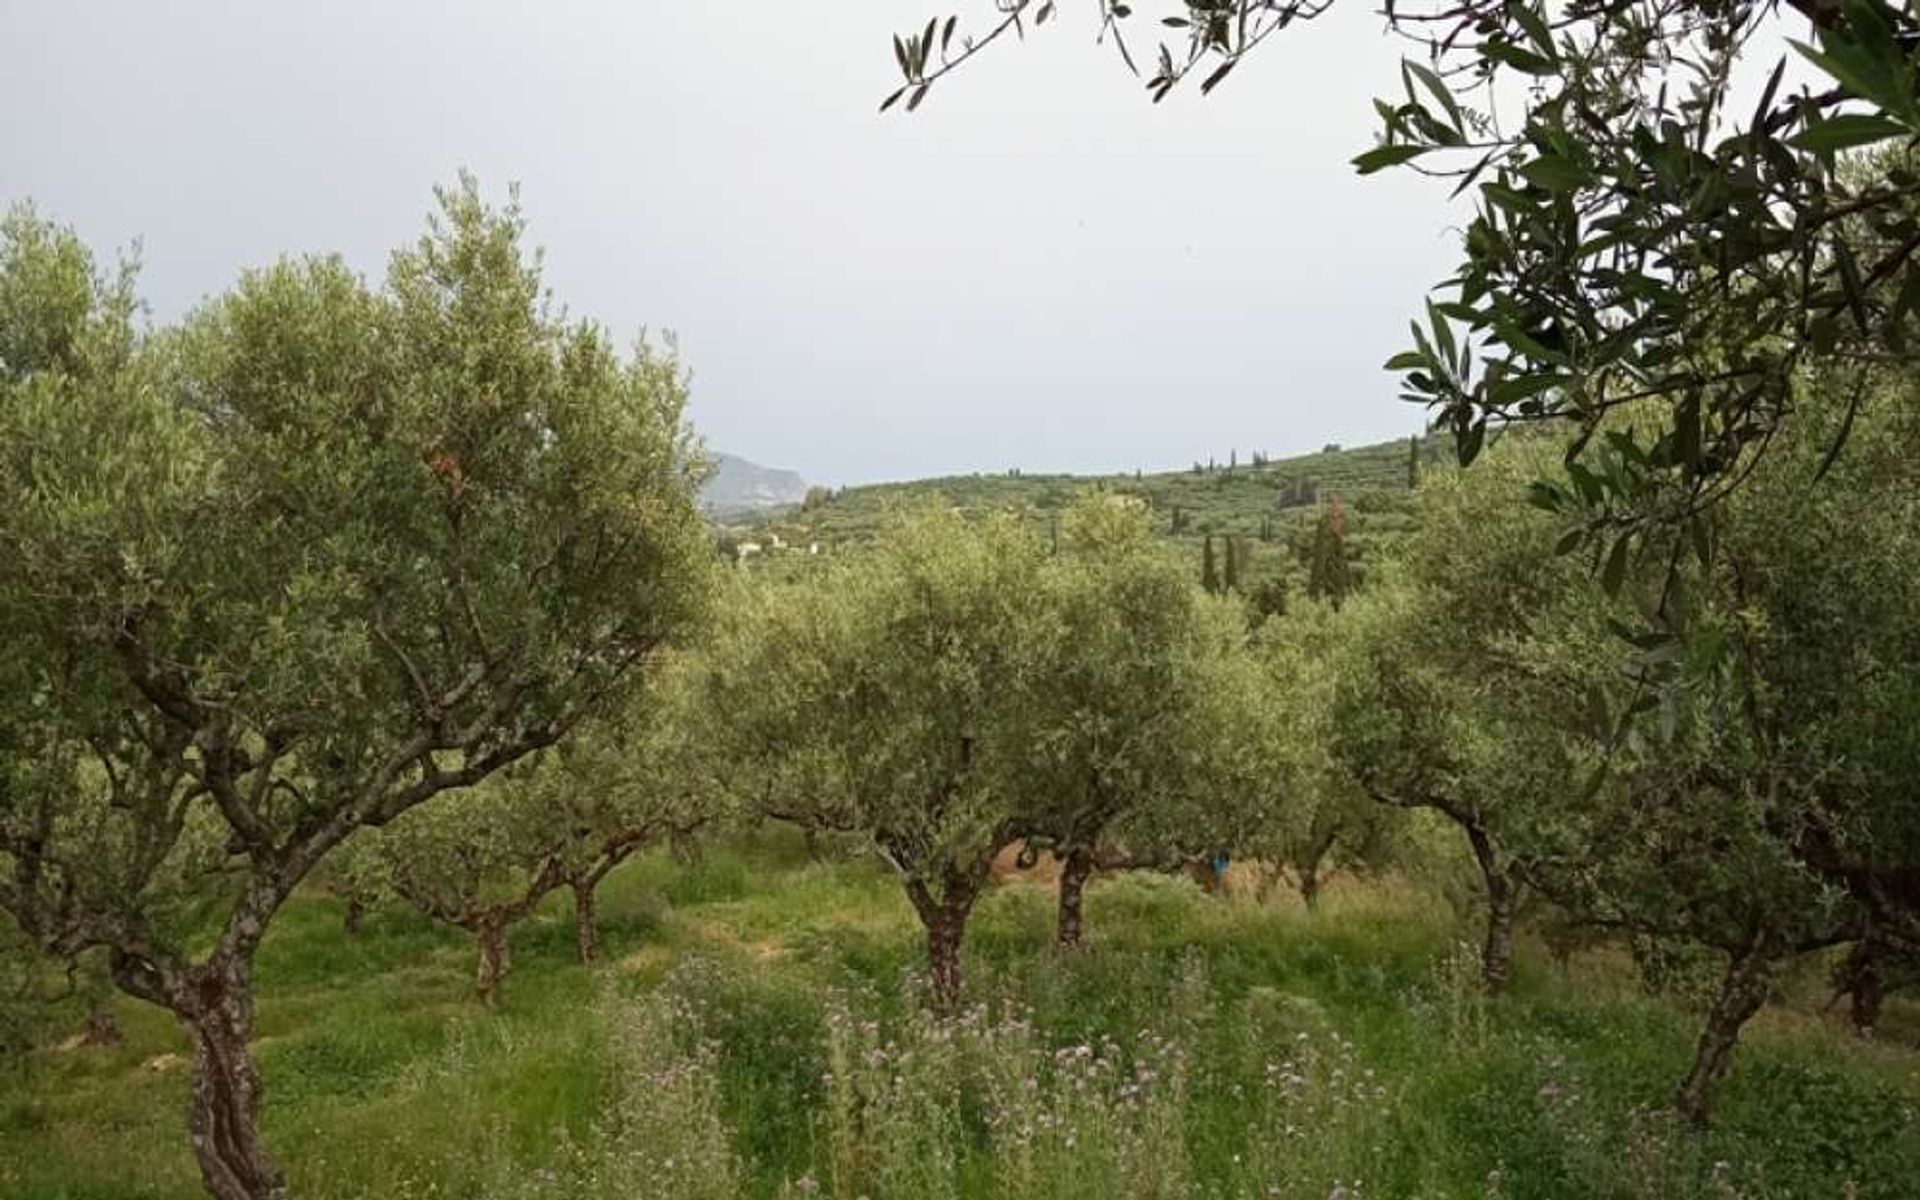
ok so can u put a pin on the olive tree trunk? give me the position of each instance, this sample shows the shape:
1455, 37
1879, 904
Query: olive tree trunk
1865, 1002
586, 918
1075, 869
946, 928
223, 1117
213, 1002
944, 914
487, 923
1743, 989
1503, 899
1311, 862
1310, 885
1860, 982
585, 886
490, 931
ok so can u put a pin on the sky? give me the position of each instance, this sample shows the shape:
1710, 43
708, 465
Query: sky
1038, 269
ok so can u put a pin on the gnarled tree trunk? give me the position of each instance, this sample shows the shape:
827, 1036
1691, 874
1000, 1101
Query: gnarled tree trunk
944, 914
1496, 954
1503, 898
1742, 991
1310, 880
945, 930
586, 918
490, 931
1865, 1002
223, 1115
585, 885
1075, 869
1860, 982
214, 1004
1310, 885
488, 923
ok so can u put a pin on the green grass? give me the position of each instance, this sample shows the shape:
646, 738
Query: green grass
734, 984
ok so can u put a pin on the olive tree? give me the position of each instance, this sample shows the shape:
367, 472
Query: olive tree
292, 569
889, 695
483, 860
480, 860
646, 776
1463, 689
1873, 969
1699, 790
1822, 557
1328, 821
1238, 769
1119, 693
1761, 807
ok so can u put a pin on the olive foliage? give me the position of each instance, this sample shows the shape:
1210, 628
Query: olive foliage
291, 568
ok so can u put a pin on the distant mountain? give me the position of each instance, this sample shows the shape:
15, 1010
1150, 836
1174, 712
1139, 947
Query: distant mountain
740, 487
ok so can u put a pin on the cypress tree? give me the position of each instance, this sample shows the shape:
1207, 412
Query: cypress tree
1327, 577
1413, 463
1209, 576
1230, 578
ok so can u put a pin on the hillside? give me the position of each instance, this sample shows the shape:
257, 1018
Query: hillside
739, 488
1272, 505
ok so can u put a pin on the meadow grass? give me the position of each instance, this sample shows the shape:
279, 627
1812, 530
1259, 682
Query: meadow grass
757, 1031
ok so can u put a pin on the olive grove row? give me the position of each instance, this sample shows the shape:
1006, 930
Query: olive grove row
403, 589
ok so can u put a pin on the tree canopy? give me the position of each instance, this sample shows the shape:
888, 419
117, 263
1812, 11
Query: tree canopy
293, 567
890, 695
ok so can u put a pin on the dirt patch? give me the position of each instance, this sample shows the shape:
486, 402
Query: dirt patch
1006, 868
1243, 877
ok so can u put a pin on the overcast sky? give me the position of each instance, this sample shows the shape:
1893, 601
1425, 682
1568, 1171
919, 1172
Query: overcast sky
1038, 269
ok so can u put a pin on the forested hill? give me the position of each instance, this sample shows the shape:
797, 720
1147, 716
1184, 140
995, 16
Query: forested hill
1269, 507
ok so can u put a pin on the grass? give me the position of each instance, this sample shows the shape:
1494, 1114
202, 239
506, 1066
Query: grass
756, 1032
